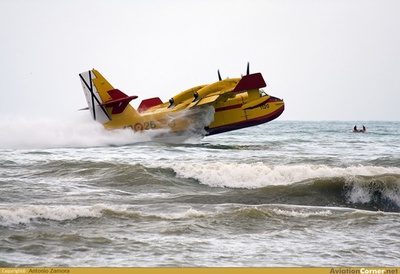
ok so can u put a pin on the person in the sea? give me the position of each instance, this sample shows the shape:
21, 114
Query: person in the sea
355, 129
364, 129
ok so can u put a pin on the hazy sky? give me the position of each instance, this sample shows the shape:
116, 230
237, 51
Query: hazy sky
328, 59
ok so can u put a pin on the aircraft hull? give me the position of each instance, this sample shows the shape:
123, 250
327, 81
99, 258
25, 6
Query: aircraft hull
246, 123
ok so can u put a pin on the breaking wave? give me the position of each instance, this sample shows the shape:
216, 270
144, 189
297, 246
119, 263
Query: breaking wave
27, 214
256, 175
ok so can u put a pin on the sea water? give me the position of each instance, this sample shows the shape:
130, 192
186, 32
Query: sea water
286, 193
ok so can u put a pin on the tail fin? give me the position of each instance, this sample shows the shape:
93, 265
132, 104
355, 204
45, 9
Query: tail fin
104, 102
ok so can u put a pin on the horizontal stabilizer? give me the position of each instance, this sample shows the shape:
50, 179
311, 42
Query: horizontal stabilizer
251, 81
119, 101
149, 103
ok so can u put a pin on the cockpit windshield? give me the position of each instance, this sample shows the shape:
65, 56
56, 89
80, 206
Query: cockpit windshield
263, 93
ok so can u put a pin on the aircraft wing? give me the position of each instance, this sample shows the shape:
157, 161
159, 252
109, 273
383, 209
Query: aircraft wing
207, 100
246, 83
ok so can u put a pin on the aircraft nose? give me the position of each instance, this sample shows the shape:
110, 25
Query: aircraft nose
275, 99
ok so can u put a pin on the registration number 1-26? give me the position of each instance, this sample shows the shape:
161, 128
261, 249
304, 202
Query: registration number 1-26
145, 126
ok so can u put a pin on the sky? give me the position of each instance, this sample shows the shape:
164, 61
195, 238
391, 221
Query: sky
328, 59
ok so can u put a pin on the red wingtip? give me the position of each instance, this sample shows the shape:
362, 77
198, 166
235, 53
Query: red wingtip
148, 103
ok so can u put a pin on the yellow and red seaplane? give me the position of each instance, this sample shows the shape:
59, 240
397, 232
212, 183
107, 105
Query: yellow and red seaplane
219, 107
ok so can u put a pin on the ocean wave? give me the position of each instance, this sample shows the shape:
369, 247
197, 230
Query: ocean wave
23, 215
388, 161
380, 192
16, 215
374, 193
257, 175
225, 211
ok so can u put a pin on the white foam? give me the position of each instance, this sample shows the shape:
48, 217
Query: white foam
26, 214
256, 175
15, 215
360, 191
301, 213
185, 214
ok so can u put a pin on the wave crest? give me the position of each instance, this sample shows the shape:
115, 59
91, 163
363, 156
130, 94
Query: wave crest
379, 192
257, 175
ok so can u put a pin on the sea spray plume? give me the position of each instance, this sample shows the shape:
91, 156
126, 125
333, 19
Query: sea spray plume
80, 131
41, 133
197, 119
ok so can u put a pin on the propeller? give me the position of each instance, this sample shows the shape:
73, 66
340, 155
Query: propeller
247, 71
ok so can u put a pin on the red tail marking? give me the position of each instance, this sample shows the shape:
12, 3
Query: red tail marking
119, 101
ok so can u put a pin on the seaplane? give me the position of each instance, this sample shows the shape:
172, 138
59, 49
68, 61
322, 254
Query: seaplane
226, 105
